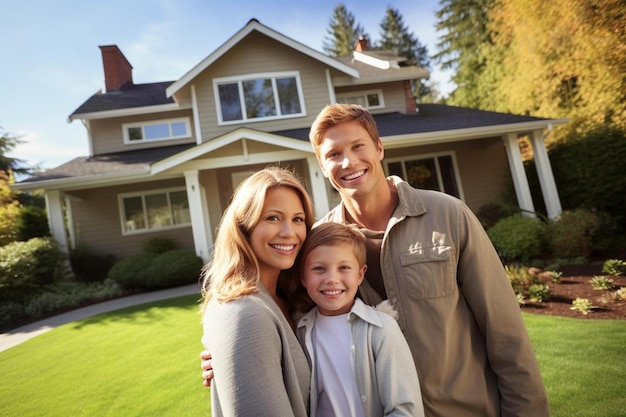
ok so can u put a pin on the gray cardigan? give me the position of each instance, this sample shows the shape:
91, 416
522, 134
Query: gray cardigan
260, 368
381, 361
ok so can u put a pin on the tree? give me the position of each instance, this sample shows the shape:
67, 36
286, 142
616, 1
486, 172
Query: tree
7, 143
464, 24
395, 36
342, 33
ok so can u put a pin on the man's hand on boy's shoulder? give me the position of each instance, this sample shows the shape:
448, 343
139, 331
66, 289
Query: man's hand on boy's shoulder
207, 368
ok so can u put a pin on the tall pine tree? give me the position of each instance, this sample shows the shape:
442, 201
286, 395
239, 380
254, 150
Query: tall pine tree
395, 36
466, 35
342, 32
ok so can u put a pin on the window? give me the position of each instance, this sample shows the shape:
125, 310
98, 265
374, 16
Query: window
432, 172
258, 97
153, 210
368, 99
158, 130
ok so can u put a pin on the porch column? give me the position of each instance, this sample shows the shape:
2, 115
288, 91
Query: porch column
56, 220
199, 213
522, 190
546, 177
318, 188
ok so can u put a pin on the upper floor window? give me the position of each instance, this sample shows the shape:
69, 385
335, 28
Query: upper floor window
372, 99
258, 97
157, 209
156, 130
430, 172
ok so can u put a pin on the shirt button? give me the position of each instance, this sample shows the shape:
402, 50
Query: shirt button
363, 398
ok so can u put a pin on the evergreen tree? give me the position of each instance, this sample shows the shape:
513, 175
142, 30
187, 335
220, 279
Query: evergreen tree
8, 164
462, 46
342, 33
395, 36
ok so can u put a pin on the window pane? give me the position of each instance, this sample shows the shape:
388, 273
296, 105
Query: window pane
159, 131
180, 207
395, 168
372, 100
447, 176
259, 98
133, 212
422, 174
229, 102
179, 129
288, 95
134, 133
158, 211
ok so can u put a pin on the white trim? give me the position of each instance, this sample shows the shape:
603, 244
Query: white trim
144, 124
372, 61
546, 178
331, 88
56, 218
199, 213
196, 115
133, 111
254, 25
239, 79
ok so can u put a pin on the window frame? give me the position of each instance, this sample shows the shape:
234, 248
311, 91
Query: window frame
143, 194
239, 79
364, 93
127, 126
435, 156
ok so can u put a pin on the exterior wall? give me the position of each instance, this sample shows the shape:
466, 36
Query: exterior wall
108, 137
480, 163
96, 218
260, 54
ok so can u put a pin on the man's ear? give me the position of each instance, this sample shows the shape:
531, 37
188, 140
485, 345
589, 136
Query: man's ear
381, 149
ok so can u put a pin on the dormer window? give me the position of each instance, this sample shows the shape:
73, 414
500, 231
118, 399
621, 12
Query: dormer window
156, 130
372, 99
258, 97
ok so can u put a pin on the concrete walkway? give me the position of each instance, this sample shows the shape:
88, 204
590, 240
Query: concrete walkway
21, 334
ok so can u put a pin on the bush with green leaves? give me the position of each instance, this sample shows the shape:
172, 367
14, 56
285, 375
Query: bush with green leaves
614, 267
89, 266
601, 282
519, 238
31, 222
132, 271
30, 264
174, 268
539, 293
572, 234
158, 245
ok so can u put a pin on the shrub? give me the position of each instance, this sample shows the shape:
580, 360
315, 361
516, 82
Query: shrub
518, 238
158, 245
614, 267
132, 272
89, 266
583, 305
572, 234
31, 222
539, 292
491, 213
30, 264
600, 282
10, 312
174, 268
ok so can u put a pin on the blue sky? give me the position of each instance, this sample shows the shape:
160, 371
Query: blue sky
51, 62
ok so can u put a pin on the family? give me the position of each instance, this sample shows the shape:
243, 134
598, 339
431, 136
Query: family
394, 303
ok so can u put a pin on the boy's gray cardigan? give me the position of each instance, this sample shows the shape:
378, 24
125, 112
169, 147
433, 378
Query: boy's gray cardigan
381, 362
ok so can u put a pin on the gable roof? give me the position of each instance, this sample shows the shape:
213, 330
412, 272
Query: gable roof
255, 25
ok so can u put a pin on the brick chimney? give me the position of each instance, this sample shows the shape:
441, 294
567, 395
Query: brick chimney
117, 70
409, 100
361, 44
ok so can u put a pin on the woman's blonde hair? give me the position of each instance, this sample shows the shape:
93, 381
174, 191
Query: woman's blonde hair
234, 269
335, 114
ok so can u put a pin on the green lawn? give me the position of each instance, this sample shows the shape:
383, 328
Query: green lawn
143, 361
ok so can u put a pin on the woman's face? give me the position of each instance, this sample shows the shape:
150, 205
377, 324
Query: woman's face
280, 232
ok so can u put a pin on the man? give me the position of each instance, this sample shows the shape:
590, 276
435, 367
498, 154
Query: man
430, 256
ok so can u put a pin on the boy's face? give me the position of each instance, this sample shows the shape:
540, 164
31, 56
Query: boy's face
332, 276
350, 159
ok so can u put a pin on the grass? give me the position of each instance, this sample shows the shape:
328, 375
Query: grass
143, 361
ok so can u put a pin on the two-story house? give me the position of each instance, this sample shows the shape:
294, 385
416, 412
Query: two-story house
164, 158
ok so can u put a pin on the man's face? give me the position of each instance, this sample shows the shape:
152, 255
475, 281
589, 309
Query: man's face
350, 159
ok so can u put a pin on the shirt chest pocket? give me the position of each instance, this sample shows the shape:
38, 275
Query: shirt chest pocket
429, 272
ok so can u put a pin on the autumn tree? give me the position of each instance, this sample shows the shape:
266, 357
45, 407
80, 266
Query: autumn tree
395, 36
342, 32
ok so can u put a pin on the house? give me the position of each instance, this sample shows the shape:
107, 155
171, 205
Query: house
164, 158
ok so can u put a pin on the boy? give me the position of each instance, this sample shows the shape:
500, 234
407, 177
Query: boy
361, 364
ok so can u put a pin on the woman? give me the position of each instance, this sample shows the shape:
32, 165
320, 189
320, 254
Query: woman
260, 368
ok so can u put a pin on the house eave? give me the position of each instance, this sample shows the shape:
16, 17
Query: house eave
132, 111
455, 135
87, 181
252, 26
